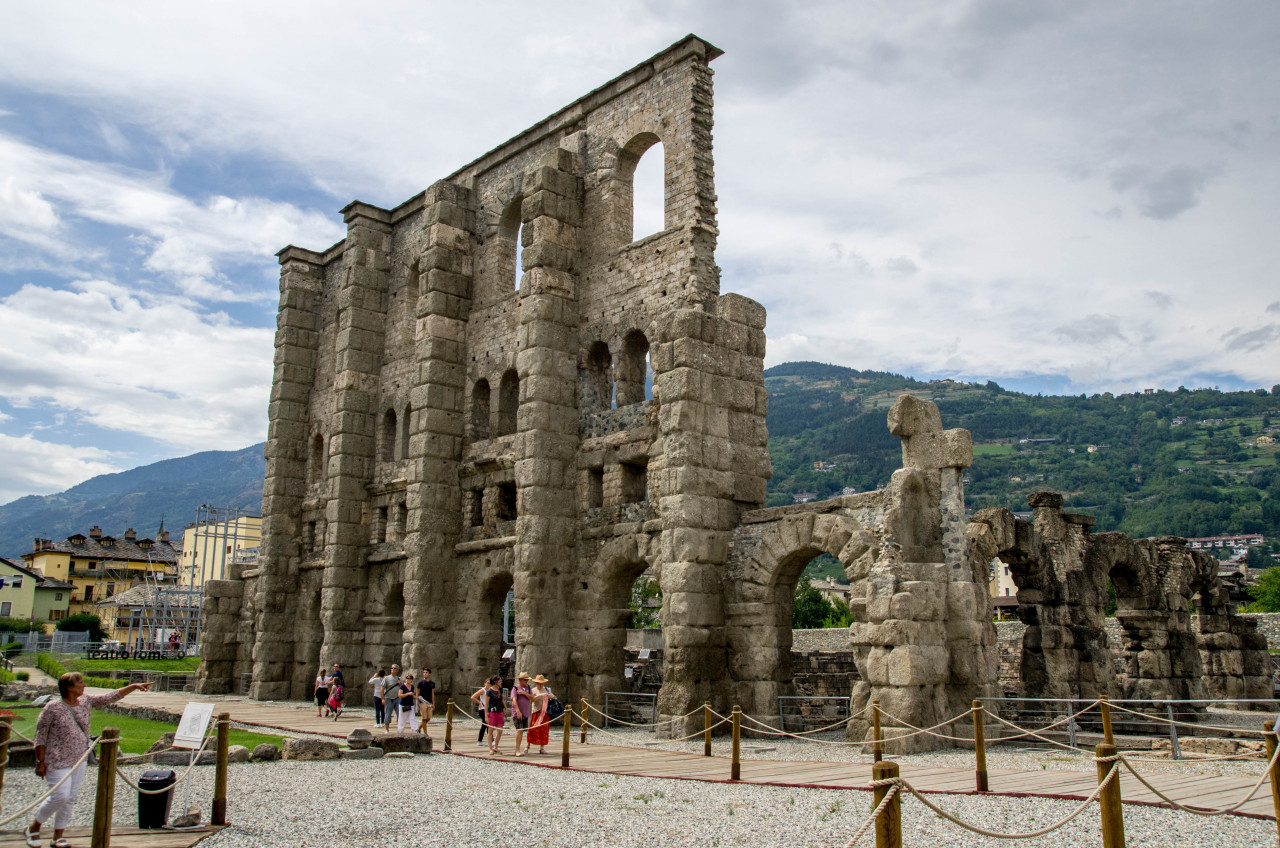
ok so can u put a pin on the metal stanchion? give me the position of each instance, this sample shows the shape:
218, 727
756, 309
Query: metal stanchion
564, 751
219, 813
877, 750
582, 721
448, 726
104, 801
735, 769
980, 746
1269, 727
889, 822
1109, 800
706, 728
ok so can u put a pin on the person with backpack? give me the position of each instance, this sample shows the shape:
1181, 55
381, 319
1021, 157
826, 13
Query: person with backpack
321, 692
336, 693
540, 724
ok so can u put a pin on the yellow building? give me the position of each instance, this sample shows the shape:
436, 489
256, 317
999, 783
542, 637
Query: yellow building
219, 539
99, 566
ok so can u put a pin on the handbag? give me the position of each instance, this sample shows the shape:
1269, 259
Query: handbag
555, 709
92, 740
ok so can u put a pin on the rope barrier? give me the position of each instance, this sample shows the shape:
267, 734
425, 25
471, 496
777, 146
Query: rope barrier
766, 730
604, 732
928, 730
1211, 811
1025, 733
596, 709
37, 802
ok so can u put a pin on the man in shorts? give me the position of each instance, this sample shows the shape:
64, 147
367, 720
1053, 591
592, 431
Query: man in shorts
390, 685
426, 700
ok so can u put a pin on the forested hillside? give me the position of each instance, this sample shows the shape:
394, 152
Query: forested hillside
1128, 460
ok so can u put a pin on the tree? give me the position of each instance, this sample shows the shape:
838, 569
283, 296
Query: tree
84, 621
1266, 593
840, 617
1260, 557
643, 613
809, 608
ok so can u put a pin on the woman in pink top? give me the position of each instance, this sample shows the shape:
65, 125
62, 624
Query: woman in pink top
62, 737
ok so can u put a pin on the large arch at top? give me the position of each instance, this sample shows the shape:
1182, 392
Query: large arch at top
758, 599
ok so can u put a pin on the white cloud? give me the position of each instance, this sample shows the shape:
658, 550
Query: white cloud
186, 241
34, 467
147, 365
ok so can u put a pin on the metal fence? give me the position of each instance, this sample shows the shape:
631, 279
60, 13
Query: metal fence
628, 708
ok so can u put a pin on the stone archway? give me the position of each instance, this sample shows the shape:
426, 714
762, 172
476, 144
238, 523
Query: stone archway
384, 615
478, 626
604, 611
767, 561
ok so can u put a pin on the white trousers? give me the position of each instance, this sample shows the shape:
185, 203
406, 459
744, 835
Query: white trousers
59, 804
405, 716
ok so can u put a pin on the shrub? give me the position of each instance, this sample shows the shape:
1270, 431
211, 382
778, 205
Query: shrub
83, 621
22, 675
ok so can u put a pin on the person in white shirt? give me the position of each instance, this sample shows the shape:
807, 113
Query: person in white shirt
379, 708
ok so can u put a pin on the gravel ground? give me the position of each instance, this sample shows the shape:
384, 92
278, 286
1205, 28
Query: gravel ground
450, 801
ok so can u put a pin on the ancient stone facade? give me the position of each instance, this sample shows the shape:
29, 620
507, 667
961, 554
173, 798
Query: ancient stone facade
1061, 569
442, 435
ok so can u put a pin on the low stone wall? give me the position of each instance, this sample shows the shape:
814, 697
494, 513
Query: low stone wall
829, 639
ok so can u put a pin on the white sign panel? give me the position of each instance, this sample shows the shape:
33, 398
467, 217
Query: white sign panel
194, 723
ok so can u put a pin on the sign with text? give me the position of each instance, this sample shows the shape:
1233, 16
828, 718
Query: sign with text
192, 727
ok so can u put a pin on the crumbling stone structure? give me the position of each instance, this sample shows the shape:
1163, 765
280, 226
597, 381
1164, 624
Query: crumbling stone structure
445, 431
1061, 570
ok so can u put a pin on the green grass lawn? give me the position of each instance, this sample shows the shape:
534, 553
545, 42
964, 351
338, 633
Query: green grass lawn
992, 450
186, 665
137, 735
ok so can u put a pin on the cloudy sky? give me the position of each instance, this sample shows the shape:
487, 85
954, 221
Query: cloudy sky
1064, 197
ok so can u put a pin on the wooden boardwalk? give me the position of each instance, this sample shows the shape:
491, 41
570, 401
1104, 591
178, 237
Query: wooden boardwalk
1188, 788
121, 837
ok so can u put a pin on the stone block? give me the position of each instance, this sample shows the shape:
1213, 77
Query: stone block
360, 753
310, 749
918, 665
238, 754
413, 743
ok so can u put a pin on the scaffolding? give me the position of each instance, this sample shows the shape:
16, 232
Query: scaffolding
164, 613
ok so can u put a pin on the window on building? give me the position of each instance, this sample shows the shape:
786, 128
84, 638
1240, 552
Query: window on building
5, 608
17, 581
508, 402
92, 565
57, 596
88, 594
480, 411
595, 487
506, 502
111, 590
635, 482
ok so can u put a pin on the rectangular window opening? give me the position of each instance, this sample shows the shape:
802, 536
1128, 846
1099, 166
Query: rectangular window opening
635, 482
506, 501
595, 488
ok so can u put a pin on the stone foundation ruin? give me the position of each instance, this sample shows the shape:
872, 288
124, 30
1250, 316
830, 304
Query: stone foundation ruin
441, 435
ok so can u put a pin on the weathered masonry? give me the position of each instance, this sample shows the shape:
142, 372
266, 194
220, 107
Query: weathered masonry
446, 429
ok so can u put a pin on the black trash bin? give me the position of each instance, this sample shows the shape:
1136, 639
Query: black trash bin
153, 810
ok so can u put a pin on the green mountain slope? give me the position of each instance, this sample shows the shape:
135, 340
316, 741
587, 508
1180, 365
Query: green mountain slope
1146, 475
139, 498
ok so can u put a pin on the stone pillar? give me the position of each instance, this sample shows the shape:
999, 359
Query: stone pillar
276, 673
714, 464
547, 420
360, 334
436, 431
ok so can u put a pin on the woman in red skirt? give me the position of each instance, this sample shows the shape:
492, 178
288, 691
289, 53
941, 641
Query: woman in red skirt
539, 724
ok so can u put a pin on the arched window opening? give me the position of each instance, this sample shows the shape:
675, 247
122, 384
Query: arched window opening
598, 387
315, 461
509, 249
380, 526
387, 438
508, 402
649, 193
480, 411
635, 378
402, 449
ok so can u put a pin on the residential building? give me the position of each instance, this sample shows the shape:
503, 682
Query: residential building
1243, 541
26, 593
98, 566
831, 590
218, 539
1004, 592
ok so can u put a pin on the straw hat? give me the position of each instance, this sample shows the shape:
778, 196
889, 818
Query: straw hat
524, 675
539, 679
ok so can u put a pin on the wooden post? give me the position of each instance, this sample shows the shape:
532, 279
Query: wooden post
980, 745
5, 729
706, 728
735, 769
219, 815
582, 722
564, 751
1109, 800
889, 822
104, 801
877, 750
1269, 727
1104, 707
448, 726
